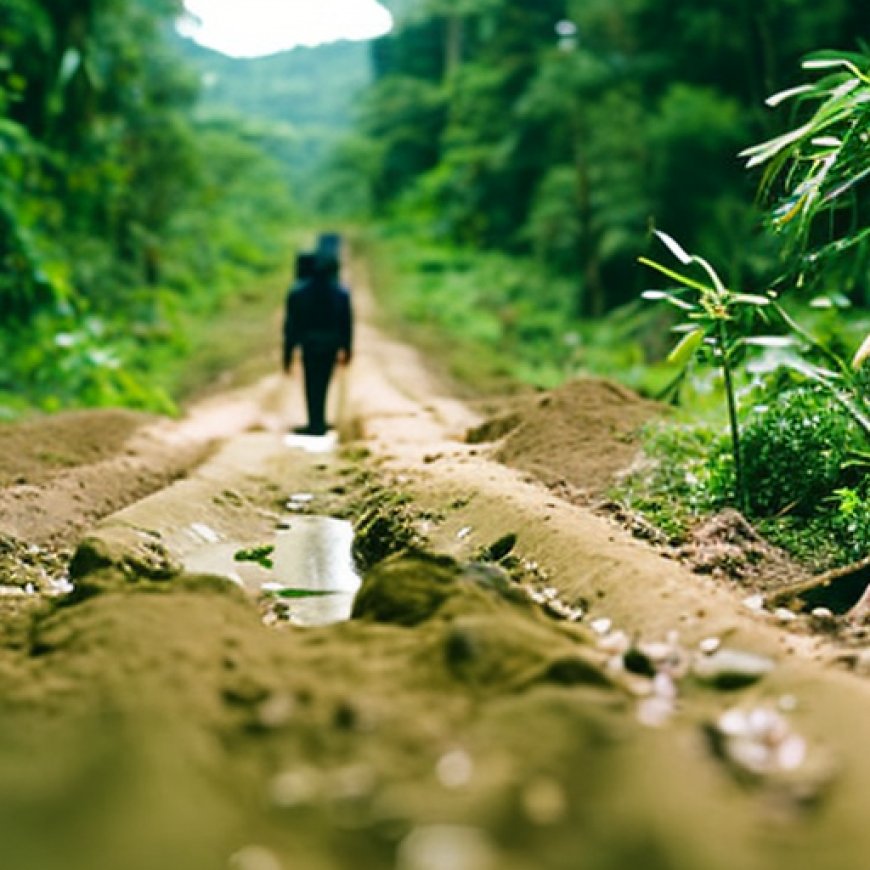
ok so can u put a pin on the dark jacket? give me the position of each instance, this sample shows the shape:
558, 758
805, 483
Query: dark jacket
318, 317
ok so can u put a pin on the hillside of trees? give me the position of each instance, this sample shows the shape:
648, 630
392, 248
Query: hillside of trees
296, 105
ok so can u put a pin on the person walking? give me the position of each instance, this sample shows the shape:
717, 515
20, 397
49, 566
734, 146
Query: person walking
319, 319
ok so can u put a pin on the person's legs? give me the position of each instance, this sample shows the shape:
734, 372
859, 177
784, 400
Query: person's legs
318, 365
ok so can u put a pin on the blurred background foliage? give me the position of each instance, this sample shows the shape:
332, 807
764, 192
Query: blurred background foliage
119, 206
563, 130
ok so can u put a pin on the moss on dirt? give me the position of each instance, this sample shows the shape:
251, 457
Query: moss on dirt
385, 524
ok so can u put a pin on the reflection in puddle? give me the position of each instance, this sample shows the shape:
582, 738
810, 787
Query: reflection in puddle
312, 443
312, 567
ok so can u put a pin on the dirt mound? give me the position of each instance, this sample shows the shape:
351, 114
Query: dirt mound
61, 473
580, 434
729, 548
35, 450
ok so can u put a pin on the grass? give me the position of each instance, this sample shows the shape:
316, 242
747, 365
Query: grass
497, 323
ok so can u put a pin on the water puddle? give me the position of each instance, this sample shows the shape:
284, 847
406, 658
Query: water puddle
307, 566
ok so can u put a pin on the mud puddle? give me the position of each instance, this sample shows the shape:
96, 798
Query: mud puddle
307, 568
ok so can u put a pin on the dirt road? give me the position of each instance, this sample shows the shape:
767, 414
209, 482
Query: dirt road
522, 684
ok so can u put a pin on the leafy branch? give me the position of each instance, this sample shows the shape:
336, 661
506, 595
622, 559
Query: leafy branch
716, 317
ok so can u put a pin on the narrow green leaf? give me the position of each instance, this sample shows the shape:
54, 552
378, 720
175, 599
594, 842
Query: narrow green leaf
664, 296
780, 96
830, 63
750, 299
714, 277
676, 276
765, 150
291, 592
686, 347
862, 354
771, 341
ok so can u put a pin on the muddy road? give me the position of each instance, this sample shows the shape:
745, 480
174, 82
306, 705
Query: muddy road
224, 647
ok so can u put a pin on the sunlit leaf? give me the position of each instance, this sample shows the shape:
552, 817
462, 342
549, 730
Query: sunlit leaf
822, 376
775, 99
831, 300
760, 153
862, 354
674, 247
771, 341
750, 299
686, 347
69, 65
675, 276
847, 185
789, 210
826, 142
664, 296
714, 277
831, 63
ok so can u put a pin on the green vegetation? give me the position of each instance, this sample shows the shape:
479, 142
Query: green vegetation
559, 130
535, 146
296, 106
496, 320
119, 211
260, 554
804, 446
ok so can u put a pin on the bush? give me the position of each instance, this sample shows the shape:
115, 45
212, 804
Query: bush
852, 519
794, 452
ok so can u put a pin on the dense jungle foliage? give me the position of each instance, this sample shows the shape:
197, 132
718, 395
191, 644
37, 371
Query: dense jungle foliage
555, 136
118, 209
564, 129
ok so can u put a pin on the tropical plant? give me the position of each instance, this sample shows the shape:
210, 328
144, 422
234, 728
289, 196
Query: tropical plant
818, 173
716, 318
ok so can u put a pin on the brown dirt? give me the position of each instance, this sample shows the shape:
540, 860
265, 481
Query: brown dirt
38, 449
728, 547
581, 434
468, 717
580, 438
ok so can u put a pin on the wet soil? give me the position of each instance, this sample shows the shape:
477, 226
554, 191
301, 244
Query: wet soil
522, 684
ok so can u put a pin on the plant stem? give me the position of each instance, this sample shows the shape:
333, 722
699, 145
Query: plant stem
739, 482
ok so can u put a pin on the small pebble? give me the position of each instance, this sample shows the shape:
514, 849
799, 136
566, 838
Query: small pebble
709, 645
602, 625
754, 602
455, 769
295, 787
731, 669
447, 847
544, 801
255, 858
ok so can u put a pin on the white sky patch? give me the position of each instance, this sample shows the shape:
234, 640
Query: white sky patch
249, 28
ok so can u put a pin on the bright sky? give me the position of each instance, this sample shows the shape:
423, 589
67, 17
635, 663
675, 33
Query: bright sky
248, 28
